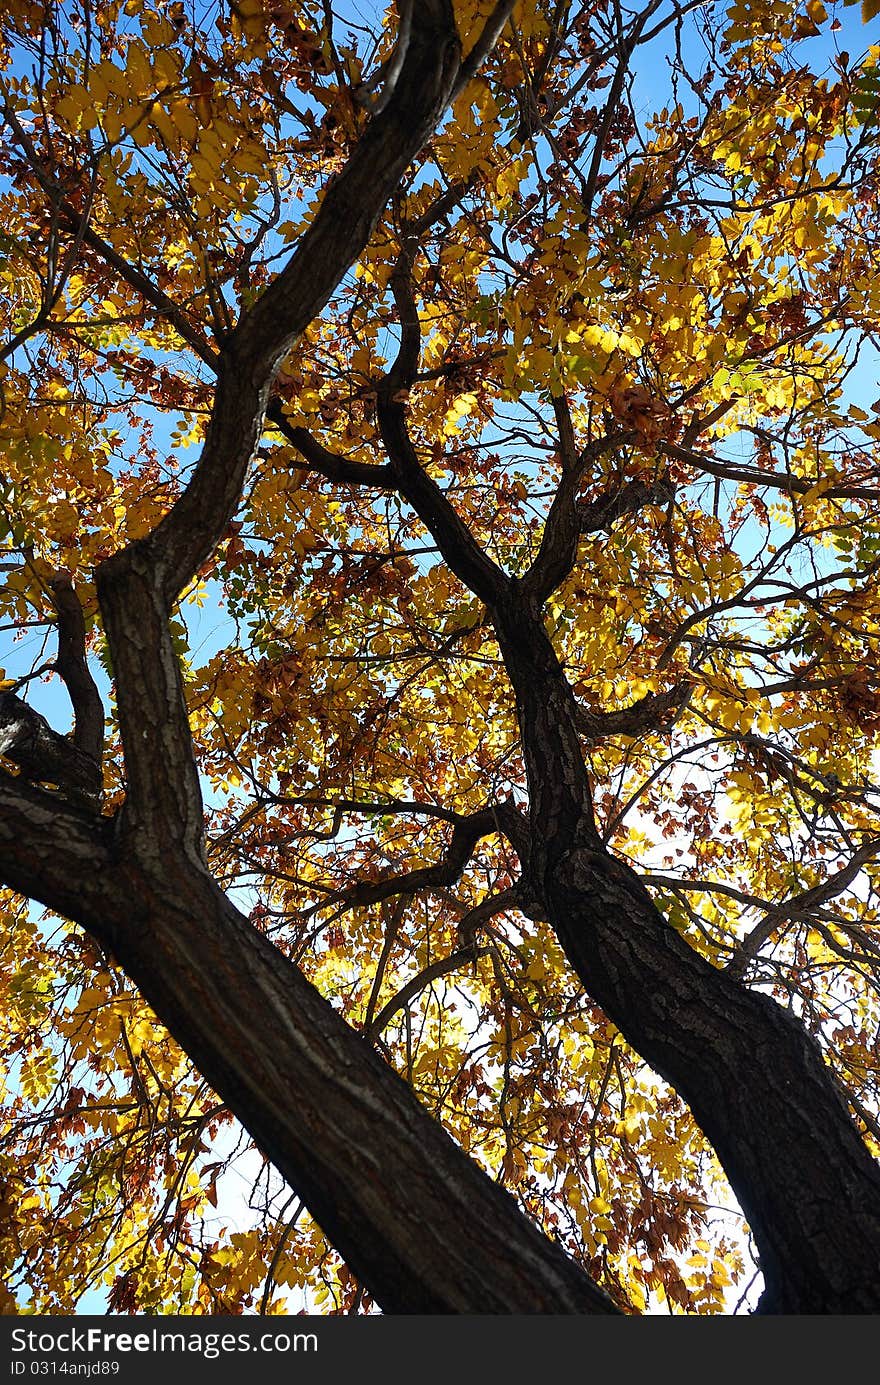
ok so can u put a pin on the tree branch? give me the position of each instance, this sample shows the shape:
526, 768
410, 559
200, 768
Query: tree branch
44, 757
265, 332
564, 525
466, 833
56, 852
73, 669
489, 36
799, 906
388, 73
166, 308
137, 586
319, 458
457, 544
792, 485
414, 1217
432, 972
650, 713
600, 513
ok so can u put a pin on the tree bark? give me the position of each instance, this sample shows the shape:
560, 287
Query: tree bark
754, 1079
419, 1223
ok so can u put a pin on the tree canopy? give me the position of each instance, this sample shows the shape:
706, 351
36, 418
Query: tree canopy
439, 816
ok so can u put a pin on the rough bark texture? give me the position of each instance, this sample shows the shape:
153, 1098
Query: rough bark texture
419, 1224
754, 1079
29, 741
349, 210
416, 1220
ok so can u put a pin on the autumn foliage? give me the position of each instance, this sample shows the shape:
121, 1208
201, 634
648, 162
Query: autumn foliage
441, 473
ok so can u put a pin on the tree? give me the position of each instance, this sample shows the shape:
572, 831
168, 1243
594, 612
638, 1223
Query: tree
509, 868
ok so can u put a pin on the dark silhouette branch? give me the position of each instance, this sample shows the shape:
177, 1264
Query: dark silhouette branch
320, 459
444, 966
466, 833
799, 906
653, 712
416, 1219
72, 666
465, 556
488, 37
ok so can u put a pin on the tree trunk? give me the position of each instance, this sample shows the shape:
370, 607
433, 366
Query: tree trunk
753, 1078
419, 1223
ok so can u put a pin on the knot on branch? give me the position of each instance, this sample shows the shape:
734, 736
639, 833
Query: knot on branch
43, 756
598, 514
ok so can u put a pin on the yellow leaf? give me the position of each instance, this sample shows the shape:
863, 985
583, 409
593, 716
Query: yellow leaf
138, 72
